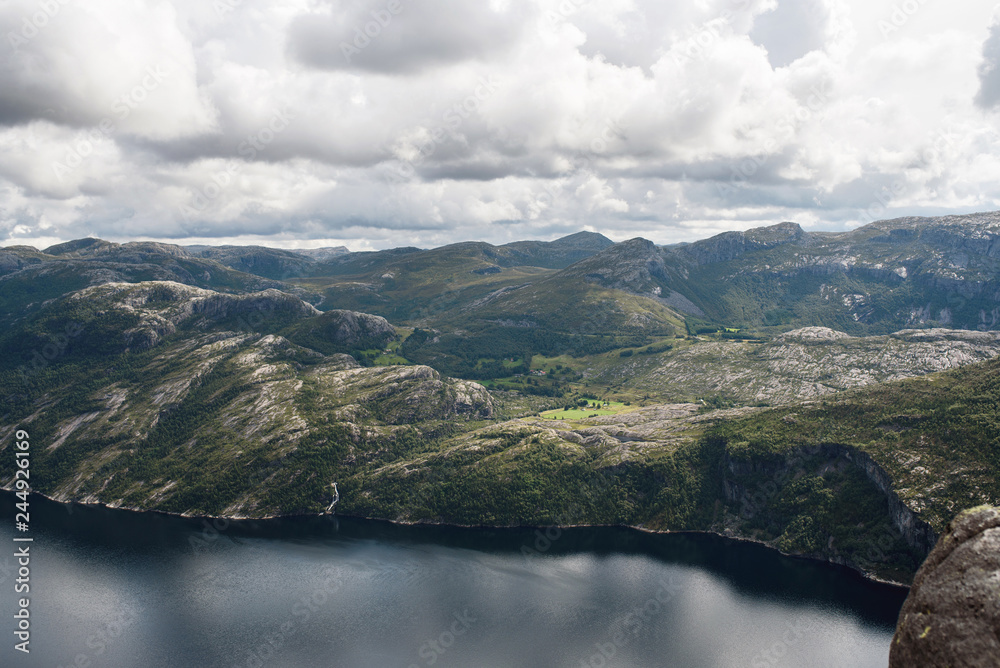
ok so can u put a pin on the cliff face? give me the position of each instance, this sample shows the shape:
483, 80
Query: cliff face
917, 533
952, 615
355, 330
779, 471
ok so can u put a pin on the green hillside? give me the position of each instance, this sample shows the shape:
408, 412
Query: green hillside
767, 384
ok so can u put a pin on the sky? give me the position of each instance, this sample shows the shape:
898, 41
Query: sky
384, 123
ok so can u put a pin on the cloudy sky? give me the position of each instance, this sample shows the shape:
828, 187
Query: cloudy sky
378, 123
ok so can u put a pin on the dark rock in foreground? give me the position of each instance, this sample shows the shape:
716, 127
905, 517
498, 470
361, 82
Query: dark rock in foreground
952, 615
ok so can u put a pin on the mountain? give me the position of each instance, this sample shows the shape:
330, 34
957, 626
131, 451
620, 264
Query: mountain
119, 318
409, 284
774, 384
866, 478
732, 245
265, 262
928, 443
559, 253
322, 254
875, 280
342, 332
886, 276
29, 278
204, 419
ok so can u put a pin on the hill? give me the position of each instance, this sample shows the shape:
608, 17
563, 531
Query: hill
155, 402
29, 278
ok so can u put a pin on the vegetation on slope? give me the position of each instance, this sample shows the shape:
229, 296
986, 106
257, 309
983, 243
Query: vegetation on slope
172, 397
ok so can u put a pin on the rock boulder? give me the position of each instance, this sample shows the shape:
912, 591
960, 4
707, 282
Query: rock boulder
952, 615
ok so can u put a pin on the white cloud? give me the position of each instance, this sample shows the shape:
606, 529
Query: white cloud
520, 118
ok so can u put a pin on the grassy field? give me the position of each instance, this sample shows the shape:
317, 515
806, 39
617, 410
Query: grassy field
611, 408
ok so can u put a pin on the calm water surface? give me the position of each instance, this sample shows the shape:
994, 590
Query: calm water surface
114, 588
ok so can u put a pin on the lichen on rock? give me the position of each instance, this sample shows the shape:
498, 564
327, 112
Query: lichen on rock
952, 615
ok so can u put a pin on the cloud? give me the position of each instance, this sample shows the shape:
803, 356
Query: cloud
77, 66
402, 36
496, 120
792, 29
989, 71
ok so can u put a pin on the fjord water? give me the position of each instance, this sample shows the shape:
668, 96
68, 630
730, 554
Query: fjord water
113, 588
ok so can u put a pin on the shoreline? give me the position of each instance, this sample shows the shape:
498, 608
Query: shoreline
661, 532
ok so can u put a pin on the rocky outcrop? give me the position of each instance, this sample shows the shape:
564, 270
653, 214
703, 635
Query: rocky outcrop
952, 615
402, 395
811, 335
557, 254
356, 330
730, 245
89, 245
344, 332
16, 258
634, 266
164, 306
269, 302
802, 364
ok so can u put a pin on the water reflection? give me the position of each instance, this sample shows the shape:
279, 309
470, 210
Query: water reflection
127, 589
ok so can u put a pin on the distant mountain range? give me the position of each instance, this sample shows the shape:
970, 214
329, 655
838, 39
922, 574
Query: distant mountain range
245, 380
873, 280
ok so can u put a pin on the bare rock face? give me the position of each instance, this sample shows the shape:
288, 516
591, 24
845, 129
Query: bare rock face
812, 335
952, 615
356, 329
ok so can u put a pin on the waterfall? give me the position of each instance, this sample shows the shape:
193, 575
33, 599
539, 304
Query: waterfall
336, 497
